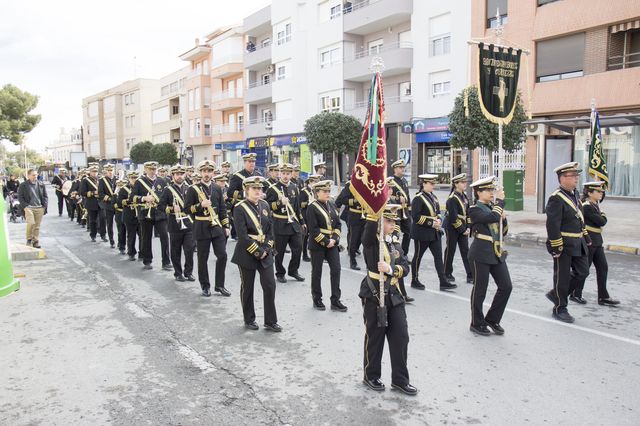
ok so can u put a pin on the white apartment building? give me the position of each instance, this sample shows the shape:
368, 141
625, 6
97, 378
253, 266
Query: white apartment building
68, 141
167, 114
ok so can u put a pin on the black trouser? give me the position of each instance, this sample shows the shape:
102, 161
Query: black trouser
332, 256
500, 274
305, 244
295, 243
122, 232
71, 208
405, 228
355, 239
102, 229
182, 241
598, 258
93, 222
60, 196
568, 271
220, 250
79, 212
106, 227
397, 335
454, 239
133, 230
160, 229
419, 247
268, 283
146, 235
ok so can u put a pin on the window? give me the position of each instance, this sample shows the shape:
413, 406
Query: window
197, 133
440, 88
240, 121
267, 117
330, 103
404, 39
336, 11
284, 35
493, 8
560, 58
266, 42
205, 67
164, 91
375, 46
239, 87
199, 68
405, 91
206, 101
192, 128
440, 45
175, 109
207, 127
197, 98
266, 79
191, 101
329, 58
173, 87
624, 48
282, 72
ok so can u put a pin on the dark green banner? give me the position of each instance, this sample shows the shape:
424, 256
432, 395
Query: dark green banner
498, 71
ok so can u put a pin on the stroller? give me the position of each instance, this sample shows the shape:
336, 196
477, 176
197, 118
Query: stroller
14, 207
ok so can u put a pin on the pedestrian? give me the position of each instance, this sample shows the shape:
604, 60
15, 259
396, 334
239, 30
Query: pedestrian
595, 219
567, 240
488, 257
456, 227
254, 253
57, 182
390, 320
33, 199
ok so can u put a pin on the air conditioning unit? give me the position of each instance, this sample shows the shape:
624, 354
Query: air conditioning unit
271, 69
535, 129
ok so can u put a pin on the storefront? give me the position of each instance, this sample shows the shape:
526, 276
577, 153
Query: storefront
231, 152
433, 152
281, 149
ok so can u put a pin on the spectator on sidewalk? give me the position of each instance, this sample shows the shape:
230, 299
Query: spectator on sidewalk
33, 200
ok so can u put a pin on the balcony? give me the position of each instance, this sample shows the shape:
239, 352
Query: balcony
397, 57
258, 92
258, 56
258, 127
227, 66
226, 100
227, 133
258, 22
396, 110
368, 16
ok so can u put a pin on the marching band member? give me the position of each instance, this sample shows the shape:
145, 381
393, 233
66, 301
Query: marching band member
456, 227
130, 217
57, 182
295, 177
106, 198
121, 229
306, 197
355, 222
89, 192
254, 253
399, 194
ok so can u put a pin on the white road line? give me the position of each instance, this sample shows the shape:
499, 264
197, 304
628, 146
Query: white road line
528, 315
75, 259
195, 358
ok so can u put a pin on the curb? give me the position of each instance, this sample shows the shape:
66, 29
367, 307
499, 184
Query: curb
528, 238
21, 252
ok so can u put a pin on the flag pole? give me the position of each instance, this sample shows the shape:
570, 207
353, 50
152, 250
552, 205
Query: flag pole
592, 128
499, 30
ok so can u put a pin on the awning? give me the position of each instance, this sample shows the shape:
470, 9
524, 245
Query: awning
570, 125
626, 26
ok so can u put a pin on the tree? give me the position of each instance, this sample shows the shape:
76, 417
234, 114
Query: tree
164, 153
15, 119
141, 152
333, 132
92, 159
475, 131
15, 161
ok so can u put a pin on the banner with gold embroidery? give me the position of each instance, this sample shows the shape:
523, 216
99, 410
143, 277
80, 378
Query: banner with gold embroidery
597, 160
498, 71
369, 177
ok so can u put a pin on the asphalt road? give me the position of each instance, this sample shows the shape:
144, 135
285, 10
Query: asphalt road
92, 339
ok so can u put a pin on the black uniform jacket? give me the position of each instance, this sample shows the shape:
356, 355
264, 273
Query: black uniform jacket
172, 194
393, 256
425, 209
594, 220
323, 224
107, 195
281, 224
141, 189
398, 187
129, 214
457, 207
565, 224
356, 215
235, 192
485, 229
89, 191
57, 182
204, 225
255, 235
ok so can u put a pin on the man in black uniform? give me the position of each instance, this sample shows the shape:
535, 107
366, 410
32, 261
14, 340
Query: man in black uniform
77, 197
456, 227
295, 177
426, 231
399, 194
179, 225
106, 198
225, 169
567, 241
389, 321
206, 204
130, 216
235, 191
188, 176
57, 182
324, 228
89, 192
121, 229
71, 199
146, 195
254, 252
306, 197
273, 173
320, 168
288, 223
355, 222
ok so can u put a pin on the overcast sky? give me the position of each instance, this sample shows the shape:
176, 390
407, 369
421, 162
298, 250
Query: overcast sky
65, 50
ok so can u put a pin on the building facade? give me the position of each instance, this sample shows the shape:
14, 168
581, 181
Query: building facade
68, 141
167, 120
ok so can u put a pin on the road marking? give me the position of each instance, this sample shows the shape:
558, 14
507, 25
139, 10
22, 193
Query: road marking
75, 259
527, 314
195, 358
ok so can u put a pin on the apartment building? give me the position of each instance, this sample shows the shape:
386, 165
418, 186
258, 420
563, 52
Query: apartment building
167, 123
68, 141
117, 118
581, 51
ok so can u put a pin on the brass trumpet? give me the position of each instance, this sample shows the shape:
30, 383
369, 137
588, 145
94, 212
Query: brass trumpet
180, 217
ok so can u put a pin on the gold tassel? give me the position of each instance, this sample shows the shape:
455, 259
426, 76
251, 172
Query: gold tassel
466, 102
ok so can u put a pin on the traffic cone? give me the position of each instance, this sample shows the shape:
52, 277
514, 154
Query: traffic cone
8, 284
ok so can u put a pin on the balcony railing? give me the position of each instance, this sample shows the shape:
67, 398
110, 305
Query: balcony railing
251, 48
388, 100
374, 51
258, 83
358, 4
619, 62
225, 94
262, 120
227, 128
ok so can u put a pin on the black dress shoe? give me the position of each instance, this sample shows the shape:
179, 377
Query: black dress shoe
338, 306
273, 327
354, 266
409, 299
36, 245
180, 278
578, 299
408, 389
287, 251
190, 277
132, 258
497, 329
552, 297
450, 278
123, 252
147, 267
374, 384
608, 301
281, 279
564, 316
93, 240
251, 325
447, 286
297, 276
223, 291
306, 259
206, 293
482, 330
112, 244
167, 267
317, 304
104, 239
417, 285
469, 280
140, 259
